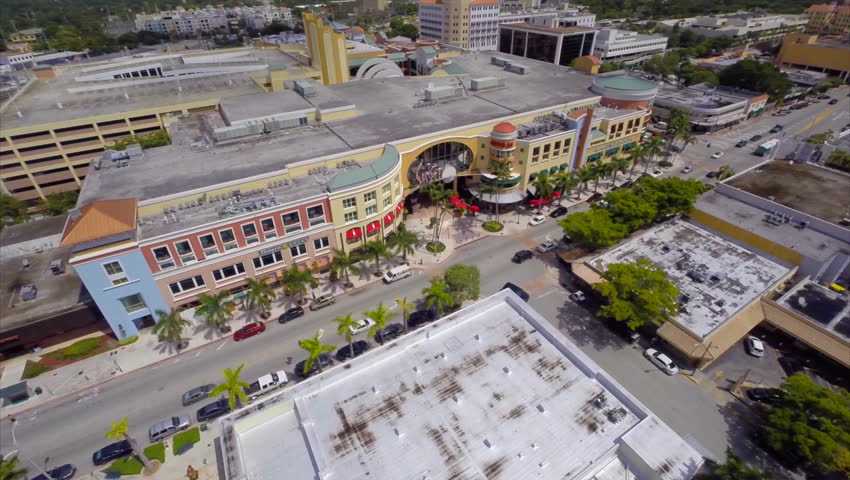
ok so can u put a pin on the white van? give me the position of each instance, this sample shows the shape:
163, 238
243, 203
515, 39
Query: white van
397, 273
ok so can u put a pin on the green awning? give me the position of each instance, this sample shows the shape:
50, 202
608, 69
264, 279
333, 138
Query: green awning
629, 146
612, 151
565, 166
553, 170
532, 176
595, 156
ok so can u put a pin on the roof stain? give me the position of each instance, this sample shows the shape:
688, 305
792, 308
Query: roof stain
494, 469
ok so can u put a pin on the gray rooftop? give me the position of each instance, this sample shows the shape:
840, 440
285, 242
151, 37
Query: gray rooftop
826, 308
705, 95
490, 392
718, 277
251, 106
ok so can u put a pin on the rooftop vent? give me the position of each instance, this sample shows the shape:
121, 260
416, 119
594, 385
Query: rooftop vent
29, 292
442, 92
665, 248
484, 83
516, 68
57, 267
498, 61
696, 276
487, 443
305, 88
600, 401
616, 414
720, 302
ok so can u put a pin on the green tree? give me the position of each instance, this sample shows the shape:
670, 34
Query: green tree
233, 386
819, 138
733, 469
543, 187
599, 171
585, 174
811, 425
618, 165
463, 282
840, 160
119, 431
565, 182
344, 324
216, 309
628, 208
404, 242
724, 172
406, 307
170, 326
637, 293
701, 76
671, 196
757, 76
258, 296
439, 197
314, 348
652, 149
437, 296
595, 229
502, 172
146, 140
376, 250
344, 264
407, 30
636, 155
12, 210
58, 203
9, 469
296, 281
380, 315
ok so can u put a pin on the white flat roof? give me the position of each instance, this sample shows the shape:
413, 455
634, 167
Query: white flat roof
490, 392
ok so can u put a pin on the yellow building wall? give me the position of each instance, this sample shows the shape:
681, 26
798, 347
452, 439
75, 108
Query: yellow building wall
747, 237
821, 340
800, 49
327, 49
338, 115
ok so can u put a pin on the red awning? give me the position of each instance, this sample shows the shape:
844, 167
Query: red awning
534, 202
372, 227
399, 208
556, 194
354, 233
454, 200
474, 208
389, 218
461, 205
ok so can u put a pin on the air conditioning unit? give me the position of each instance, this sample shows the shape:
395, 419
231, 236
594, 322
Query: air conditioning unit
57, 266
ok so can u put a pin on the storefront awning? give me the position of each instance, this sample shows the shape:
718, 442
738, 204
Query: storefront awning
372, 227
504, 198
565, 166
389, 218
354, 233
399, 208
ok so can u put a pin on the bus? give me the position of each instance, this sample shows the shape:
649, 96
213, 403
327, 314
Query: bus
767, 147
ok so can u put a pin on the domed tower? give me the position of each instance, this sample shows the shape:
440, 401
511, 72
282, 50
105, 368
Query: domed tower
502, 147
503, 144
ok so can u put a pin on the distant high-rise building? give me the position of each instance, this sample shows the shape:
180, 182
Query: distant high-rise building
378, 5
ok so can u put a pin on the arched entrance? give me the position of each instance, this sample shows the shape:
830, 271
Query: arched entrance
441, 161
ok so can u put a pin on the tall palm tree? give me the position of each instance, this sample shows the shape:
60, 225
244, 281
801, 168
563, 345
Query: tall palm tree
502, 172
404, 242
296, 281
653, 149
380, 315
9, 470
687, 139
598, 170
119, 431
377, 250
565, 182
618, 165
439, 196
344, 264
585, 175
233, 386
543, 186
635, 157
170, 326
724, 172
258, 296
406, 308
314, 348
216, 308
492, 190
344, 324
437, 296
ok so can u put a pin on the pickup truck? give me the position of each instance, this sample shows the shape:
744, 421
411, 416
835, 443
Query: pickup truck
266, 384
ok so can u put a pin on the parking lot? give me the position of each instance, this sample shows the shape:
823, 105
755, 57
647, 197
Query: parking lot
764, 371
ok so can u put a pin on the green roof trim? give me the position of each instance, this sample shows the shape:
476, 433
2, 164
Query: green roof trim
371, 171
397, 57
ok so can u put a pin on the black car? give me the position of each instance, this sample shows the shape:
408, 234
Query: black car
769, 396
344, 353
522, 256
595, 197
833, 101
755, 138
711, 174
558, 212
389, 332
742, 143
522, 293
65, 472
790, 365
824, 97
112, 452
213, 410
420, 317
324, 359
777, 129
290, 314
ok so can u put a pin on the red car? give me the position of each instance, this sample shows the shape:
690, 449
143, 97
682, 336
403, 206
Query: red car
249, 330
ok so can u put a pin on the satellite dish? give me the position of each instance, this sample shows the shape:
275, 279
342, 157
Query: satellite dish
449, 174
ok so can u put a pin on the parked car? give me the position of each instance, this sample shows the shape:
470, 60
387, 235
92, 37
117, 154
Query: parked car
322, 302
768, 396
824, 97
359, 347
213, 410
716, 154
833, 101
363, 325
265, 384
547, 246
421, 317
815, 101
594, 198
65, 472
111, 452
578, 296
755, 138
324, 359
656, 173
290, 314
167, 428
522, 256
742, 143
711, 174
558, 212
777, 129
389, 332
397, 273
661, 361
755, 347
536, 220
520, 292
688, 169
623, 331
197, 394
249, 331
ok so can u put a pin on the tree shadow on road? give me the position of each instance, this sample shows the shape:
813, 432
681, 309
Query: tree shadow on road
584, 328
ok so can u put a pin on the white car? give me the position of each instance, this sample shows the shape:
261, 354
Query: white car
656, 173
362, 326
661, 361
688, 169
716, 154
755, 347
547, 246
578, 296
537, 220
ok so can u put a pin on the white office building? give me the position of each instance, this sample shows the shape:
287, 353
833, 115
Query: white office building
613, 45
740, 25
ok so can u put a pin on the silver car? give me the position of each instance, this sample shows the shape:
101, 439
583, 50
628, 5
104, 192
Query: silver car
197, 394
169, 427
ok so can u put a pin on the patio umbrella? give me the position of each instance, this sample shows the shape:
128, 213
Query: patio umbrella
454, 200
534, 203
474, 208
557, 194
461, 205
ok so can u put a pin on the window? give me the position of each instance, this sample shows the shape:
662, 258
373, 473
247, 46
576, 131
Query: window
350, 217
115, 273
190, 283
371, 210
397, 192
349, 203
298, 250
385, 189
291, 222
250, 232
163, 258
208, 245
321, 243
388, 201
269, 230
228, 239
369, 197
184, 251
268, 259
316, 215
229, 272
133, 303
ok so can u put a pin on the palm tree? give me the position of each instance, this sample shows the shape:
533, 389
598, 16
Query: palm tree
618, 165
653, 149
439, 196
585, 175
9, 470
565, 182
344, 264
380, 315
377, 250
258, 296
406, 308
343, 327
404, 242
543, 187
635, 157
502, 172
314, 347
598, 170
687, 139
233, 386
170, 326
216, 308
437, 296
724, 172
296, 282
491, 189
118, 431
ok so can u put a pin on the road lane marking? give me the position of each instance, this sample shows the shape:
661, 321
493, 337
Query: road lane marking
816, 120
197, 355
543, 295
220, 346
